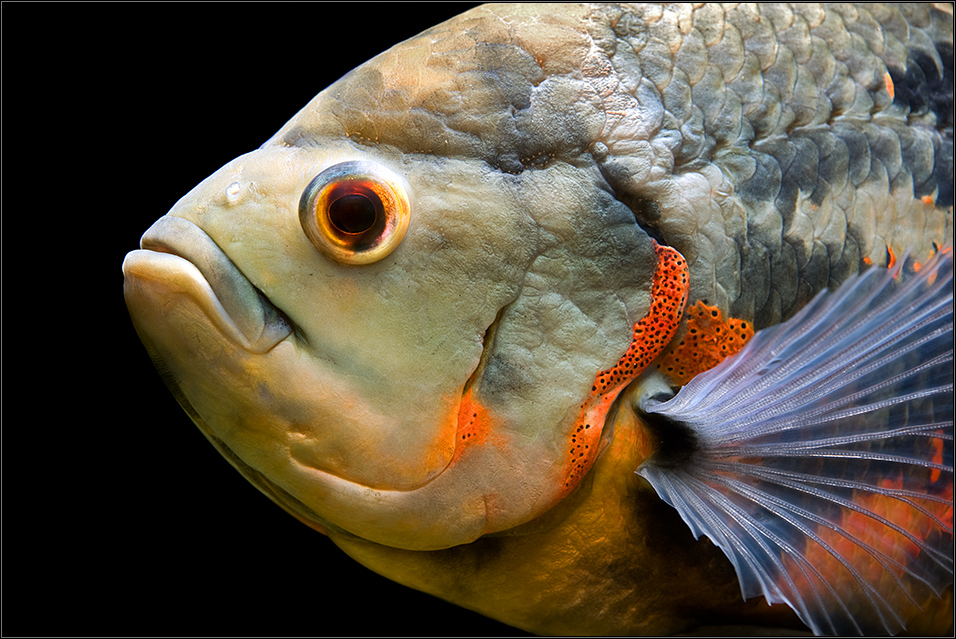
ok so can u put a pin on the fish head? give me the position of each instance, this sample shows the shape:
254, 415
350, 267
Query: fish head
389, 315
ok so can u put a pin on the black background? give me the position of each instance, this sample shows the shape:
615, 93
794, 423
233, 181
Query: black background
118, 517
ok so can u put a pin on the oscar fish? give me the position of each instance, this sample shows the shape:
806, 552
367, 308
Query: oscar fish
521, 307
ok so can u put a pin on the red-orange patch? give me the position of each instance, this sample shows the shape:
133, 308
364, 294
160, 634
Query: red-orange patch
475, 426
709, 340
906, 513
937, 444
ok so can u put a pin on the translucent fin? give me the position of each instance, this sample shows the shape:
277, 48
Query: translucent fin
821, 455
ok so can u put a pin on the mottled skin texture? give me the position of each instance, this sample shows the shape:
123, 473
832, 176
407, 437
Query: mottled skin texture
544, 147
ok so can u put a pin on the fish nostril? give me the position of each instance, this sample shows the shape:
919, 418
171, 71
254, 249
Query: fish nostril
233, 191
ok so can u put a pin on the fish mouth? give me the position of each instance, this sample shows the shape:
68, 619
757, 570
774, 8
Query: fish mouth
178, 255
176, 251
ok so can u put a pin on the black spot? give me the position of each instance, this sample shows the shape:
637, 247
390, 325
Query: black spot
906, 87
921, 87
940, 94
940, 100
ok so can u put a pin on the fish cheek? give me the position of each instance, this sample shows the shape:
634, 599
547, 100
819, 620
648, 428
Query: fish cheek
277, 412
391, 345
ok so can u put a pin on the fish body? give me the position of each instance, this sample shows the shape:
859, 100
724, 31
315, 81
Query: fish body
433, 316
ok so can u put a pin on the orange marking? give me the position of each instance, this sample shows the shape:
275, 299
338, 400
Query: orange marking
927, 200
890, 257
867, 530
651, 334
709, 340
937, 249
868, 260
888, 81
937, 444
475, 425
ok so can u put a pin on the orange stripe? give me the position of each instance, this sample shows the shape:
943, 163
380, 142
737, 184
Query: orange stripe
650, 335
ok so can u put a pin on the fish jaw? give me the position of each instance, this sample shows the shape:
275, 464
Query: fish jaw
185, 328
182, 319
235, 387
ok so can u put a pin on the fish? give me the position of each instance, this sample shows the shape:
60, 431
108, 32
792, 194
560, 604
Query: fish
597, 319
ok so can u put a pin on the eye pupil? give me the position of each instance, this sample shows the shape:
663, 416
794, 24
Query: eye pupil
353, 213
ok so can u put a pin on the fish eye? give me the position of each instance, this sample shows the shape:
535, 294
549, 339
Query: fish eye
355, 212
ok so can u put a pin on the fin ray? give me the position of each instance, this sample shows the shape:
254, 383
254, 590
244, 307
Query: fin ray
824, 452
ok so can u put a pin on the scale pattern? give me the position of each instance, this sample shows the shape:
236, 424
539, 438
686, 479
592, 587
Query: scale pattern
778, 146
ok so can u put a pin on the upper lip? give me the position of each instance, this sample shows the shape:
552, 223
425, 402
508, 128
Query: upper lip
256, 318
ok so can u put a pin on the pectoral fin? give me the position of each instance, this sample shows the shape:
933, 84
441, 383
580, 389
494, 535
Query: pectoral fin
820, 457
